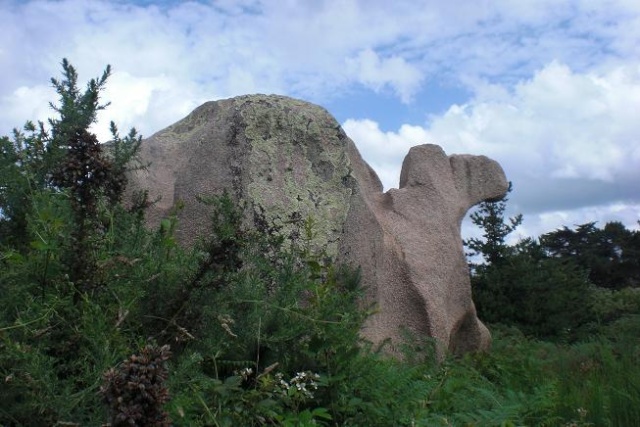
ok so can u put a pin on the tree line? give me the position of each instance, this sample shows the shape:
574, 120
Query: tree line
564, 284
104, 321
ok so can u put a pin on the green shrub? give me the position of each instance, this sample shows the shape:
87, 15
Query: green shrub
264, 328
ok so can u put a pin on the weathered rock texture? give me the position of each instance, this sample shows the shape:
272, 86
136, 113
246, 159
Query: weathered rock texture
289, 156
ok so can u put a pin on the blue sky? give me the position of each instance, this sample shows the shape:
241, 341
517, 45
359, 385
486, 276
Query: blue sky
549, 88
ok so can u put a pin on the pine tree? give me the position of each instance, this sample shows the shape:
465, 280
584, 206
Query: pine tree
520, 285
490, 218
609, 254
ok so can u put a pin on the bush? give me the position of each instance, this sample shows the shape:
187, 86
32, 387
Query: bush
544, 297
264, 329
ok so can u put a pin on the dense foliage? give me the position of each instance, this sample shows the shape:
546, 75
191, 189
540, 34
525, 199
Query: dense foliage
103, 320
560, 286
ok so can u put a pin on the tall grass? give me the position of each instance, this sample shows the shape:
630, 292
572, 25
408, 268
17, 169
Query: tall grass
602, 378
595, 382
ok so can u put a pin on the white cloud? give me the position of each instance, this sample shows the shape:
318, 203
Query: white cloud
312, 49
378, 73
559, 123
153, 101
26, 103
570, 142
384, 151
556, 82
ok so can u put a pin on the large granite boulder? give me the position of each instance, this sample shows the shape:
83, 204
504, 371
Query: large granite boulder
292, 157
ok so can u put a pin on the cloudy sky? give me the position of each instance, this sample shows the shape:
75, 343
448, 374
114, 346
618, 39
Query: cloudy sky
549, 88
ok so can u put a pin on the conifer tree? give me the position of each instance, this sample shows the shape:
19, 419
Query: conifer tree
610, 255
520, 285
490, 218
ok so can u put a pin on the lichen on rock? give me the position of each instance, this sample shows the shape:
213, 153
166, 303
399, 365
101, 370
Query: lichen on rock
296, 166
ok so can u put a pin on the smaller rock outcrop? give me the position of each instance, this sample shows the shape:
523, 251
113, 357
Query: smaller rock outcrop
414, 257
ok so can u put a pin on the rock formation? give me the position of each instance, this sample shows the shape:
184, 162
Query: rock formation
290, 156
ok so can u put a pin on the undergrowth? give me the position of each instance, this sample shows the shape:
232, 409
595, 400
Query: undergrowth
249, 327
